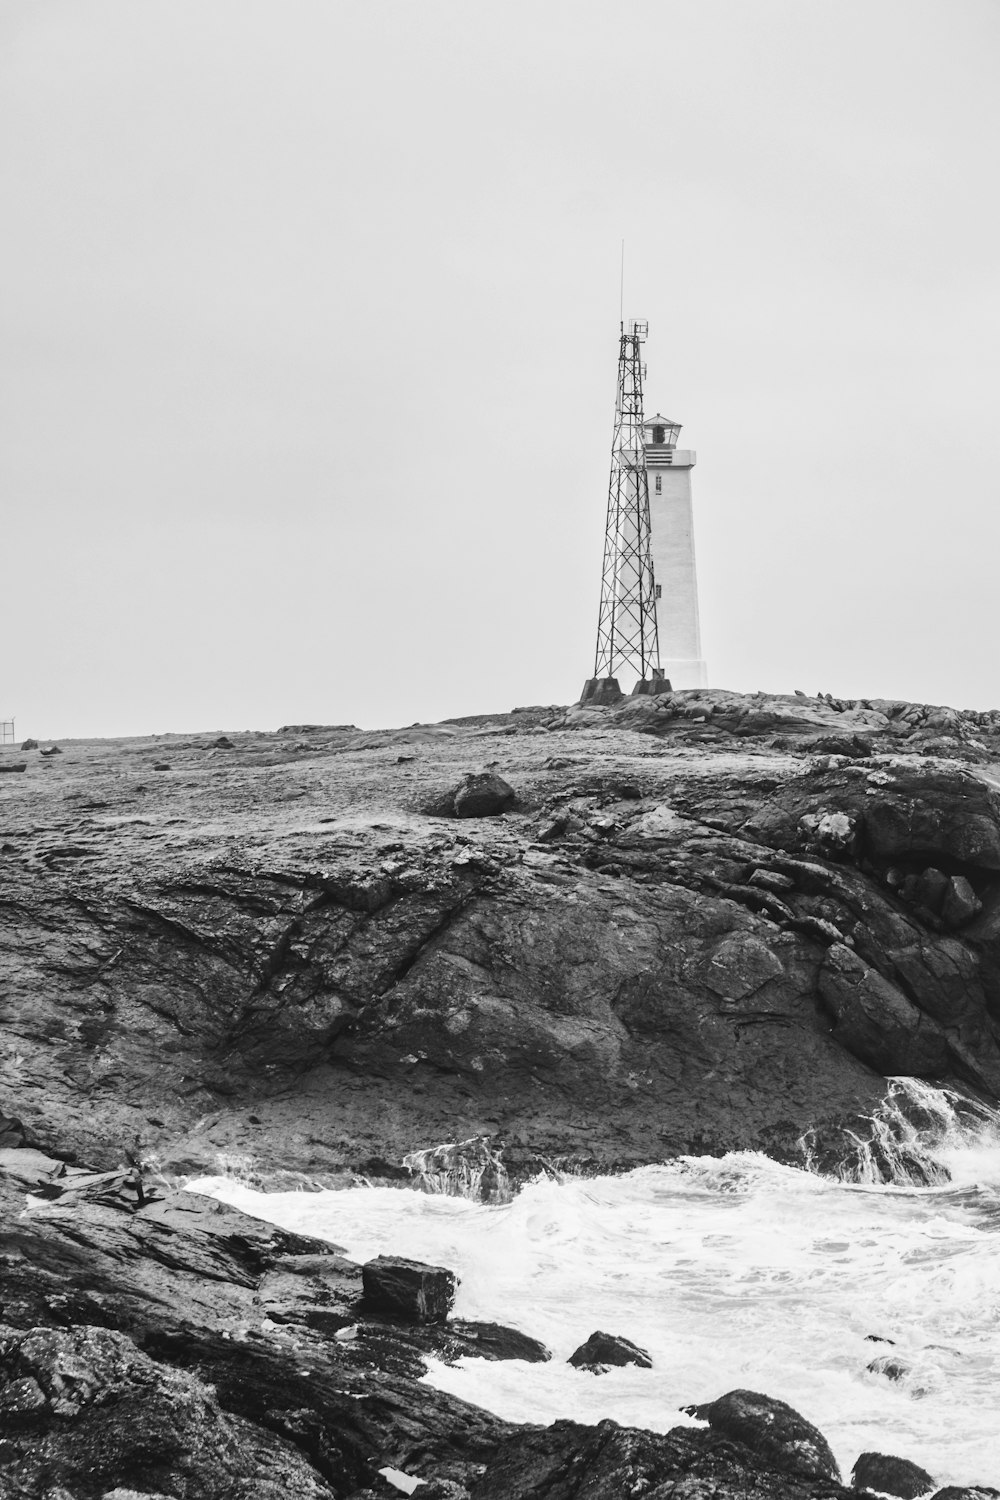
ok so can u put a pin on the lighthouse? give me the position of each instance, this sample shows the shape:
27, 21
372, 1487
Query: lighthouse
672, 548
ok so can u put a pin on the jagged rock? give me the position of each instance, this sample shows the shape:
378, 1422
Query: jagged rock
467, 1169
960, 903
772, 880
409, 1288
118, 1418
29, 744
602, 1350
224, 743
928, 889
837, 835
483, 796
772, 1429
567, 1461
876, 1022
490, 1341
904, 813
197, 1285
966, 1492
14, 765
51, 750
886, 1475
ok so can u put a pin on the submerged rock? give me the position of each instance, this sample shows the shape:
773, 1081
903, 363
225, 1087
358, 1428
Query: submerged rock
490, 1341
461, 1169
602, 1350
891, 1366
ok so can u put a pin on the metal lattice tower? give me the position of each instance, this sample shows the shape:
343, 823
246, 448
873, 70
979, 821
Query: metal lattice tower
627, 634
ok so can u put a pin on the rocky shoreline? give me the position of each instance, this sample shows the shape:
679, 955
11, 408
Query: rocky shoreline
697, 923
177, 1347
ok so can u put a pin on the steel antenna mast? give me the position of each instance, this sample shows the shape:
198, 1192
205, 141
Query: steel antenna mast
627, 634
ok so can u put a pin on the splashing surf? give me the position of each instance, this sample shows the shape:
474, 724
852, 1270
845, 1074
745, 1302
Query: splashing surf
733, 1271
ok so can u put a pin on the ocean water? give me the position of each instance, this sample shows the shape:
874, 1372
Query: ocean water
732, 1271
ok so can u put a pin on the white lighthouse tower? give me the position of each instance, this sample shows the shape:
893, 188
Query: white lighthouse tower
672, 547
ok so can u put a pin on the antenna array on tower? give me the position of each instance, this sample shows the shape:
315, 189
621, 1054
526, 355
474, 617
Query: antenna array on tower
627, 634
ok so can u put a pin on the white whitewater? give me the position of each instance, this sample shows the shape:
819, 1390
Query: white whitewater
731, 1272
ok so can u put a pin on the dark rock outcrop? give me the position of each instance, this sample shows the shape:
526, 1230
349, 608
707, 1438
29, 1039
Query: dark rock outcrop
87, 1410
773, 1430
183, 1343
603, 1350
886, 1475
966, 1492
408, 1289
570, 1462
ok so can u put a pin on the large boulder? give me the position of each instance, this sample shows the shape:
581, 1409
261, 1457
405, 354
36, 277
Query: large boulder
483, 796
886, 1475
602, 1350
408, 1289
772, 1429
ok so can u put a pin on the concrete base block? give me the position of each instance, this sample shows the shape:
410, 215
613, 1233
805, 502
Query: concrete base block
650, 687
600, 690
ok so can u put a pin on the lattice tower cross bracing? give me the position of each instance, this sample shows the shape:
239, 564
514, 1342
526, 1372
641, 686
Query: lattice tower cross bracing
627, 634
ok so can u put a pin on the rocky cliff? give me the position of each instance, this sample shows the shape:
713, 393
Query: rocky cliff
707, 921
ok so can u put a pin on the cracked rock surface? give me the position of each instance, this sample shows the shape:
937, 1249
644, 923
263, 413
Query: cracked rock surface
697, 928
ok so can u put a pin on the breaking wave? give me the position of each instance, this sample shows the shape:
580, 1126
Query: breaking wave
872, 1307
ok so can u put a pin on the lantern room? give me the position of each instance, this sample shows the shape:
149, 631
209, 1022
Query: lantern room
660, 432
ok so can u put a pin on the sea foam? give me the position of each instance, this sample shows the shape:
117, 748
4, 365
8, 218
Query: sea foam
731, 1271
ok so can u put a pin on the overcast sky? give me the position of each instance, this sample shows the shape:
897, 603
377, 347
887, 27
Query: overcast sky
310, 322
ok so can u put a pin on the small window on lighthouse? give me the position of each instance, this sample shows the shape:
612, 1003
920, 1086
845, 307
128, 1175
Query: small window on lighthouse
659, 484
659, 590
